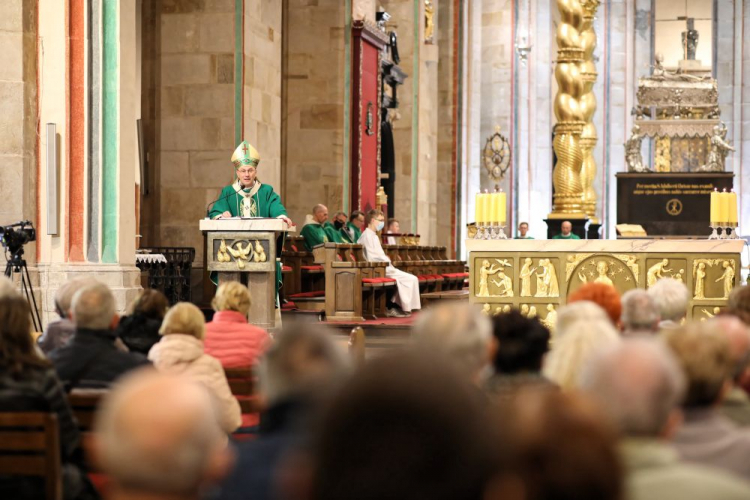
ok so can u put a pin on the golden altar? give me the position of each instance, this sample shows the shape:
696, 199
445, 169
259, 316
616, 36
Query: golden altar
536, 276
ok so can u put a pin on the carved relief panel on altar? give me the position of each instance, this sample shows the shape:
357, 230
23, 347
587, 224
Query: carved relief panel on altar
620, 271
494, 277
538, 277
657, 269
713, 278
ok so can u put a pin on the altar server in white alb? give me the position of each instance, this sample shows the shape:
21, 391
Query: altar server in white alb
407, 285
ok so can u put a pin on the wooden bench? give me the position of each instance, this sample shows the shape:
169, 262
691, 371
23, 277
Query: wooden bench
429, 298
30, 446
242, 382
355, 288
304, 280
84, 403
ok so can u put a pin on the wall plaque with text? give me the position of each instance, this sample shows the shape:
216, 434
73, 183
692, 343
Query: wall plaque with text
669, 204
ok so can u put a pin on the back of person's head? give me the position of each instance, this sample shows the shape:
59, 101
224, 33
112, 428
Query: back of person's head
404, 427
639, 312
232, 296
7, 288
583, 310
150, 303
739, 299
738, 336
704, 355
64, 294
522, 343
184, 318
574, 347
671, 298
638, 383
17, 351
458, 330
562, 447
158, 434
302, 360
355, 215
93, 307
603, 295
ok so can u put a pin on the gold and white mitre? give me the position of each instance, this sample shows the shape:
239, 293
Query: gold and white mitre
245, 154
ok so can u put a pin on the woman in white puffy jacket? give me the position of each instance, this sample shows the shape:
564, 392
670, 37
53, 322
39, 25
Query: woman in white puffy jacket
180, 351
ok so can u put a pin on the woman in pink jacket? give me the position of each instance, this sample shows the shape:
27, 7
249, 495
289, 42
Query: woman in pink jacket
229, 337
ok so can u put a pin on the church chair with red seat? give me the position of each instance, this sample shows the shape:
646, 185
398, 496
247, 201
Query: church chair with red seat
243, 382
30, 447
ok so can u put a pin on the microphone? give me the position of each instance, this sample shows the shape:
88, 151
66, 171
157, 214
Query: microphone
218, 200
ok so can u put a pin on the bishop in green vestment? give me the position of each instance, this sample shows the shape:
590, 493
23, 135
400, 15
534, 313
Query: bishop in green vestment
248, 197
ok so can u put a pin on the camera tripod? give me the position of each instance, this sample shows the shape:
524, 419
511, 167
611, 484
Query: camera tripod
17, 265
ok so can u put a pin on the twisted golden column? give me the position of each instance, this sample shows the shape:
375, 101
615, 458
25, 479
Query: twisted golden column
566, 177
588, 108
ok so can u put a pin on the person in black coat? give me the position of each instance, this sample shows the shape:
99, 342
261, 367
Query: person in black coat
28, 383
139, 330
91, 359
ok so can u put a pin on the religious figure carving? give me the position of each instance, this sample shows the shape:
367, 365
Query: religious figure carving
532, 312
663, 154
690, 40
429, 21
719, 149
546, 280
484, 273
502, 309
504, 284
661, 73
700, 279
551, 319
602, 271
259, 255
633, 156
222, 255
632, 262
525, 274
486, 309
727, 277
573, 261
680, 276
655, 272
241, 255
709, 314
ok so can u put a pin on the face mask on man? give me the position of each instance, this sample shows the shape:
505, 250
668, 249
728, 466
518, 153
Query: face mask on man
381, 224
338, 224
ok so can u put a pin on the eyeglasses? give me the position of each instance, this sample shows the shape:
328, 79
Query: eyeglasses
246, 171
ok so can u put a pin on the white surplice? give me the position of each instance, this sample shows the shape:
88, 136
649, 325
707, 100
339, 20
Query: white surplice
407, 285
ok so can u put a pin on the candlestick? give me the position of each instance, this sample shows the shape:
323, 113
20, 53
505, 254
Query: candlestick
714, 206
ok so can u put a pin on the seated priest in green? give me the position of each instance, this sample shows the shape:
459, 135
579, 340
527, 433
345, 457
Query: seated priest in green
567, 232
318, 230
339, 223
523, 230
247, 196
356, 225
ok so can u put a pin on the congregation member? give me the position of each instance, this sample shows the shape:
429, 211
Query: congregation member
736, 403
640, 315
59, 332
229, 337
575, 344
639, 384
405, 426
461, 334
739, 303
393, 228
156, 437
6, 287
523, 232
296, 375
582, 310
91, 359
28, 383
671, 298
603, 295
706, 436
180, 352
318, 230
561, 447
521, 344
356, 225
566, 233
139, 330
407, 285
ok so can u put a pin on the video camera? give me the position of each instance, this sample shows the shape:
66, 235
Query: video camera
14, 239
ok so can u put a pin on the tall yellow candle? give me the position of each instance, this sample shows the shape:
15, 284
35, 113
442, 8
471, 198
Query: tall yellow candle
480, 212
723, 207
492, 208
714, 206
501, 202
732, 213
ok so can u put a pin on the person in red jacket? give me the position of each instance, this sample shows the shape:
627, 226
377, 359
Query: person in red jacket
229, 337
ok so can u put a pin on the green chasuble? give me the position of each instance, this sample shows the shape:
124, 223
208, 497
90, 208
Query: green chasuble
571, 236
353, 228
332, 233
259, 201
314, 235
345, 236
